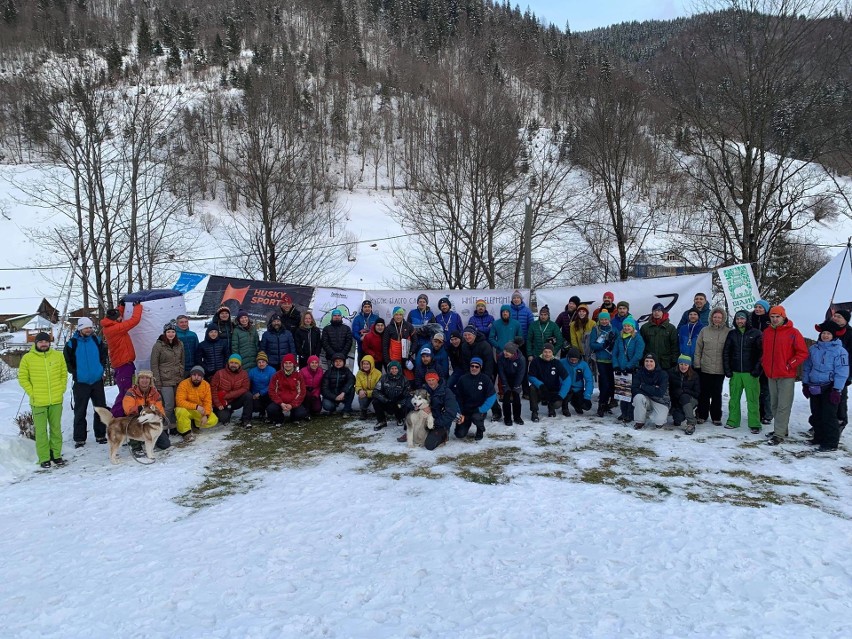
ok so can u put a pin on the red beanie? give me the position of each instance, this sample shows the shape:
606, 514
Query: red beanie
610, 295
778, 310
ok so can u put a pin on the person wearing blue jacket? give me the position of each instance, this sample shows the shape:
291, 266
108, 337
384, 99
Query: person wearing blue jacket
440, 355
602, 342
86, 357
213, 352
481, 318
505, 330
259, 377
361, 325
445, 411
549, 382
651, 393
622, 312
523, 316
582, 383
687, 334
277, 341
511, 368
419, 317
824, 376
476, 395
189, 340
448, 319
626, 358
424, 364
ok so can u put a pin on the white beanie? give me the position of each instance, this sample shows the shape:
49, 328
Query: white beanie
84, 322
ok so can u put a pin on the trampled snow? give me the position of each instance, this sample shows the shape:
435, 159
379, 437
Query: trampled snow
588, 530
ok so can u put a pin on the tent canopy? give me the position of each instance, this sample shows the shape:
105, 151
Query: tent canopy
808, 304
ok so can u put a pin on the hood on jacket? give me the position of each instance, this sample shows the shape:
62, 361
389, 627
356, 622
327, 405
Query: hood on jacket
724, 313
211, 327
369, 359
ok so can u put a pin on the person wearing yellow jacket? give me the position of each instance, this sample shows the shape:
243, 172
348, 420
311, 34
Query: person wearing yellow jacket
43, 375
194, 403
365, 381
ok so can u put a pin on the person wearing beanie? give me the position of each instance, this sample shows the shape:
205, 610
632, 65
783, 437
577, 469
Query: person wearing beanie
420, 317
476, 395
650, 388
841, 318
511, 368
86, 358
290, 315
312, 375
543, 330
447, 318
231, 391
116, 332
260, 376
580, 333
582, 383
660, 338
338, 386
602, 342
423, 365
564, 319
397, 343
141, 395
372, 343
474, 345
362, 323
699, 303
784, 350
194, 404
337, 337
549, 382
687, 334
686, 391
445, 412
277, 341
741, 361
622, 313
759, 319
391, 396
307, 339
608, 305
824, 378
223, 323
709, 362
245, 340
168, 362
43, 375
626, 358
213, 352
481, 318
189, 340
287, 394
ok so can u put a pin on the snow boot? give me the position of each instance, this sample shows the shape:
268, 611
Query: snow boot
45, 464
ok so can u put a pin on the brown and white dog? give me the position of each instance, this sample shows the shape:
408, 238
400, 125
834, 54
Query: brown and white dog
144, 427
417, 422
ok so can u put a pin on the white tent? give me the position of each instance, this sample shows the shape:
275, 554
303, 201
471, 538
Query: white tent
833, 282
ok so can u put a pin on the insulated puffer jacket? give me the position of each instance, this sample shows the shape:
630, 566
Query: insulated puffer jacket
167, 362
336, 338
43, 376
212, 355
118, 341
335, 381
391, 388
228, 386
481, 349
308, 342
245, 342
743, 350
784, 349
277, 344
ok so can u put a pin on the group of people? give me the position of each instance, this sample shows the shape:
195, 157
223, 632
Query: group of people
294, 370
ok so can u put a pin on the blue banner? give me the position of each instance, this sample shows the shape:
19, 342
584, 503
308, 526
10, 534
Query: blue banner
188, 281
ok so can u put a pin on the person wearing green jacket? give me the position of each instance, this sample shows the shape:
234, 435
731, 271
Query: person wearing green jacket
43, 375
244, 340
541, 331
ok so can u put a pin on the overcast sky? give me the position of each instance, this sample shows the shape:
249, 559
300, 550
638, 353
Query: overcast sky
589, 14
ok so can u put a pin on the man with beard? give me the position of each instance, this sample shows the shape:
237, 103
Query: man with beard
138, 396
194, 404
336, 337
231, 390
44, 377
475, 393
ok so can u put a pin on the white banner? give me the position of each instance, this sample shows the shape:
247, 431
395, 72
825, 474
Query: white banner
462, 301
346, 300
674, 293
740, 288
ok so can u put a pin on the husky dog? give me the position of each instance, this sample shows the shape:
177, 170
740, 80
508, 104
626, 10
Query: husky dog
418, 422
144, 427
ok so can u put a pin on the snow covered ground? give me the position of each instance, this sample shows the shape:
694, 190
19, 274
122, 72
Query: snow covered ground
574, 527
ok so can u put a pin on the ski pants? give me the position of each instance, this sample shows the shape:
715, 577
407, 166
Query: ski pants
82, 393
47, 423
751, 385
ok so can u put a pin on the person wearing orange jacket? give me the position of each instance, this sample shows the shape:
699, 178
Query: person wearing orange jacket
231, 389
142, 394
194, 403
120, 347
784, 350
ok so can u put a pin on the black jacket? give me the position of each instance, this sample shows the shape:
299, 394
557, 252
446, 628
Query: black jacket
445, 408
337, 338
684, 388
291, 320
397, 333
475, 392
212, 355
391, 388
742, 352
511, 371
760, 322
335, 381
481, 349
654, 384
308, 341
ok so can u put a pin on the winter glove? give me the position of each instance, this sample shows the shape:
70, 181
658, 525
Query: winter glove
409, 365
806, 391
835, 397
519, 340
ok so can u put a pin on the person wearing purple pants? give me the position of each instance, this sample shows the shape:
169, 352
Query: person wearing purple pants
120, 347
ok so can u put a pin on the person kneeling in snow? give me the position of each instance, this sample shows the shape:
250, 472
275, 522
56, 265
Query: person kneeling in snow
338, 386
475, 393
549, 382
231, 390
444, 409
391, 396
194, 404
287, 393
137, 397
650, 393
582, 383
365, 383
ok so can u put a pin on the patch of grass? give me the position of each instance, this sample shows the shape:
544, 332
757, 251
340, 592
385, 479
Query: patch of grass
377, 462
600, 475
503, 436
759, 479
678, 471
486, 466
425, 472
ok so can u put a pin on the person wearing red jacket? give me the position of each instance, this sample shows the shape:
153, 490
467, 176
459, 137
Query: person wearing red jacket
120, 347
231, 389
371, 344
287, 393
784, 350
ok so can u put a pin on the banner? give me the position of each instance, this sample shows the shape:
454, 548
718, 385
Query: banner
256, 297
740, 288
188, 281
624, 387
462, 301
674, 293
346, 300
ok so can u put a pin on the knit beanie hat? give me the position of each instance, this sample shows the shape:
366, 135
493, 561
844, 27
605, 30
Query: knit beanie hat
197, 369
286, 299
629, 321
574, 353
844, 314
603, 315
480, 303
778, 310
609, 294
829, 326
42, 337
432, 375
379, 321
337, 313
366, 303
261, 356
764, 304
394, 363
444, 299
544, 309
423, 297
547, 347
476, 360
575, 299
470, 329
241, 313
312, 359
511, 347
85, 322
658, 307
235, 357
684, 359
624, 304
506, 308
741, 313
398, 310
289, 357
171, 325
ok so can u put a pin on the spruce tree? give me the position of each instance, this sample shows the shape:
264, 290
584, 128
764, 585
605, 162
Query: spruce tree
114, 57
144, 44
10, 12
173, 62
